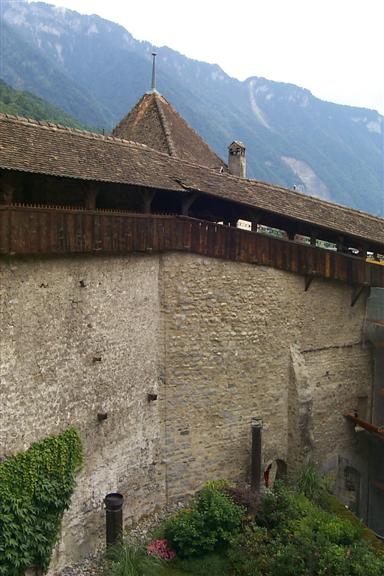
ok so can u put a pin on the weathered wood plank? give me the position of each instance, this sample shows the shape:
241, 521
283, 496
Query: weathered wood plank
43, 230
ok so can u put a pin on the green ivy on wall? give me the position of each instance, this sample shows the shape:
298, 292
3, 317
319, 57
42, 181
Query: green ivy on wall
35, 489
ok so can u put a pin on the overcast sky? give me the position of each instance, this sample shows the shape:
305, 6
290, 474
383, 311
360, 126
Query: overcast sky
335, 48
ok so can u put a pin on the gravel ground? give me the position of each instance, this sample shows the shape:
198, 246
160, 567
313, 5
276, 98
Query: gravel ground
142, 533
139, 535
88, 567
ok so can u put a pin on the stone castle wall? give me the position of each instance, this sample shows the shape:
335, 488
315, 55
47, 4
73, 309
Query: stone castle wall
246, 342
220, 343
69, 352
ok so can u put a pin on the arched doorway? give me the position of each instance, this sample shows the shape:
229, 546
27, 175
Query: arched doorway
275, 470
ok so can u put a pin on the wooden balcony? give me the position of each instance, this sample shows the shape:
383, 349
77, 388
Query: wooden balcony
42, 230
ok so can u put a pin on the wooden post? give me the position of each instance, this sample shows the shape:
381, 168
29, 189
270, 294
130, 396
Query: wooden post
148, 196
186, 202
7, 189
291, 233
340, 244
255, 220
363, 249
90, 198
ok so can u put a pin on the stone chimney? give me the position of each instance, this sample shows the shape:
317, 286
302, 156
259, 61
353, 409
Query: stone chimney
236, 159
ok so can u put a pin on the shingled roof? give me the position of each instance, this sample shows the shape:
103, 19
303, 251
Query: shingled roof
39, 147
154, 122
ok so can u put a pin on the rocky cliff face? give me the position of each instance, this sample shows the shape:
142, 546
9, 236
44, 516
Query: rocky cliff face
95, 70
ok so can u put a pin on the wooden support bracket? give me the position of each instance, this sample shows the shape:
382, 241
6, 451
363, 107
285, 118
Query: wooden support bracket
187, 201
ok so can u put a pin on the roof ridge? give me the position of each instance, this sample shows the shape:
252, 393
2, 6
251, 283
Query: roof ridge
191, 128
165, 127
44, 123
84, 133
136, 106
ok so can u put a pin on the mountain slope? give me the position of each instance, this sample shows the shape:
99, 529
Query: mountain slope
26, 67
28, 105
96, 71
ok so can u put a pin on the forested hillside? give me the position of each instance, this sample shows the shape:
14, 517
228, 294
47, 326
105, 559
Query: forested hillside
20, 103
95, 71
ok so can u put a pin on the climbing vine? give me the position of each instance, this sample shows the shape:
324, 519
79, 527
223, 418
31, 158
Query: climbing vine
35, 489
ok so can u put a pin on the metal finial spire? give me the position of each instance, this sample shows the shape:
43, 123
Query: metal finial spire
153, 87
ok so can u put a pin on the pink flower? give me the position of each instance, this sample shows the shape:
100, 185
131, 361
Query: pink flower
161, 549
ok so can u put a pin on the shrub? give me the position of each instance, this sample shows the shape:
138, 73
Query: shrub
298, 538
221, 515
187, 535
213, 520
220, 484
279, 505
245, 497
185, 532
367, 535
363, 561
308, 481
261, 554
127, 560
249, 554
213, 564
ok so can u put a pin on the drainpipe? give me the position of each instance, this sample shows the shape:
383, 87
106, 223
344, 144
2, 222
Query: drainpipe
114, 518
374, 332
256, 455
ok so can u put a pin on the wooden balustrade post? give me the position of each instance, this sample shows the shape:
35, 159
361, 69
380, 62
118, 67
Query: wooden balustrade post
90, 197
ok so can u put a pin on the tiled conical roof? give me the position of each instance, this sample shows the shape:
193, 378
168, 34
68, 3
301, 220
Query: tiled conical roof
154, 122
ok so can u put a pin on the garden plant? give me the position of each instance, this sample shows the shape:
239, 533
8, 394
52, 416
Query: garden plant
299, 529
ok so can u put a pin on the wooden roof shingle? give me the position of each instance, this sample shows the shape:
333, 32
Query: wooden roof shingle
154, 122
40, 147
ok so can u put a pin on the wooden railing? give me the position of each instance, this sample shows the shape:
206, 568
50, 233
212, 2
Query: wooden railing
43, 230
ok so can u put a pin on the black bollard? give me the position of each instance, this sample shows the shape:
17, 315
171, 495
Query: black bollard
114, 518
256, 456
